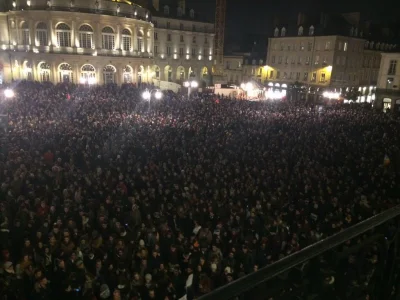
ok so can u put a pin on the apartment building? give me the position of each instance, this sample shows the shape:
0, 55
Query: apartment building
388, 86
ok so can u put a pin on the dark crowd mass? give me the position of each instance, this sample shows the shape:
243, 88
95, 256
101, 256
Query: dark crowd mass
107, 196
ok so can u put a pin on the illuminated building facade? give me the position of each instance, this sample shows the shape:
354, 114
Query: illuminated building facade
388, 87
102, 42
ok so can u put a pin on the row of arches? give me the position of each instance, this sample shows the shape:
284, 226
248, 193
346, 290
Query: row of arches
89, 74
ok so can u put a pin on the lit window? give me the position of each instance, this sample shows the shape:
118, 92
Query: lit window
109, 74
392, 67
345, 46
44, 71
140, 45
85, 36
283, 31
126, 40
25, 33
108, 38
155, 36
322, 78
41, 34
63, 32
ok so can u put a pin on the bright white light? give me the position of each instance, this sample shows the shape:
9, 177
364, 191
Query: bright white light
186, 84
199, 57
14, 4
8, 93
249, 86
194, 84
158, 95
92, 80
284, 85
82, 80
243, 86
146, 95
28, 2
277, 84
331, 95
270, 84
275, 95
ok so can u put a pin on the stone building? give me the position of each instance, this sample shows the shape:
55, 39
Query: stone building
103, 41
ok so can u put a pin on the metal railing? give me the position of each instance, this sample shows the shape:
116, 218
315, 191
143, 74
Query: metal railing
386, 271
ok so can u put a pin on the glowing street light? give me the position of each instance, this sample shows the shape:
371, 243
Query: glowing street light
8, 93
190, 85
147, 95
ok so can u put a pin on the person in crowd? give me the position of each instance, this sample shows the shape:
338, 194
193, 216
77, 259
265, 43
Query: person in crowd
106, 196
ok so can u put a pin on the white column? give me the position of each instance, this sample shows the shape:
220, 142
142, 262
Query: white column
97, 36
51, 34
118, 39
135, 45
73, 23
150, 41
32, 33
145, 33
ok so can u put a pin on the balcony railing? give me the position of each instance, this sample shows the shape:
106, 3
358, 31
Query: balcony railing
130, 15
361, 262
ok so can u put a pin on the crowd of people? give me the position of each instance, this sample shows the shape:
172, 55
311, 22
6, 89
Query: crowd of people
107, 196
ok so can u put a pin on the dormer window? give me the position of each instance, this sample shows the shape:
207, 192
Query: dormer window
166, 10
311, 30
179, 11
276, 32
300, 31
192, 13
283, 31
355, 31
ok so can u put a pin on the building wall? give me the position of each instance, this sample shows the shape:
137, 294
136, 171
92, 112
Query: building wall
183, 48
324, 61
131, 57
233, 69
388, 86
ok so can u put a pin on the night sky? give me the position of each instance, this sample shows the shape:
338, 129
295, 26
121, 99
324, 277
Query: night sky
255, 17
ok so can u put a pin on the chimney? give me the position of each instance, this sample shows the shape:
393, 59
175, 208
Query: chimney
300, 19
182, 5
156, 4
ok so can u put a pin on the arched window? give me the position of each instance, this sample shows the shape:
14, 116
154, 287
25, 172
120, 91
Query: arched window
157, 72
301, 31
88, 74
126, 40
283, 31
41, 34
86, 37
108, 38
63, 32
127, 73
276, 32
311, 30
44, 72
65, 73
25, 33
166, 10
179, 12
109, 74
191, 13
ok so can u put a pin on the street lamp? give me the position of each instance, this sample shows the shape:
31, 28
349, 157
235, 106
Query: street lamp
148, 93
190, 85
8, 93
